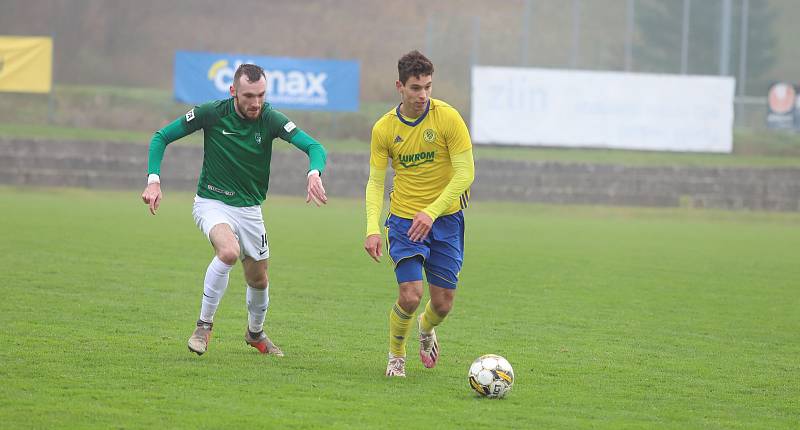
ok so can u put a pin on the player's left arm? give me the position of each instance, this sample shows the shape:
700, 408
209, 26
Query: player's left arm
460, 147
463, 175
317, 157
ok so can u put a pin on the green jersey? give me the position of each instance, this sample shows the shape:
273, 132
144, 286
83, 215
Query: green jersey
236, 151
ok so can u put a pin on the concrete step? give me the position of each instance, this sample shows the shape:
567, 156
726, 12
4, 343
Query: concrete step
124, 165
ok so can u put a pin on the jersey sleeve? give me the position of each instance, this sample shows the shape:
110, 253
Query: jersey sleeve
378, 148
457, 134
183, 126
197, 118
281, 126
463, 175
315, 151
378, 163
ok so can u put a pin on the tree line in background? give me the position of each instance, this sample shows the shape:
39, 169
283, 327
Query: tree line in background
660, 24
122, 43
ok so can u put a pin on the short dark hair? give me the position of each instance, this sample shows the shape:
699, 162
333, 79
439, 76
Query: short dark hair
252, 71
413, 64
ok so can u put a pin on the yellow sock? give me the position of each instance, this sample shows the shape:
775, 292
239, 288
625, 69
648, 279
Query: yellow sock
430, 319
399, 326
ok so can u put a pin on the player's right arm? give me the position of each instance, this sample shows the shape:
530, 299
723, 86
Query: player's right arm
378, 163
183, 126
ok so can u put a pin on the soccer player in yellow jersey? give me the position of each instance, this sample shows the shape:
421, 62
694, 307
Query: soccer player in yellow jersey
431, 155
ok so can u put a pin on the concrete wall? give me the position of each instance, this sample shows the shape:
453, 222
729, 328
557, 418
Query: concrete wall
123, 166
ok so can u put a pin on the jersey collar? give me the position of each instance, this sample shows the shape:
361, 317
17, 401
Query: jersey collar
418, 120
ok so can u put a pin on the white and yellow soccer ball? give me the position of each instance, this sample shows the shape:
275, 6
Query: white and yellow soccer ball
491, 376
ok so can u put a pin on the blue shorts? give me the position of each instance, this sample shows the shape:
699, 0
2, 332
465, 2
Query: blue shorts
440, 254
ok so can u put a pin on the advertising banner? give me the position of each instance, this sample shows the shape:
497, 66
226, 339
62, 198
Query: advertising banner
292, 83
548, 107
26, 64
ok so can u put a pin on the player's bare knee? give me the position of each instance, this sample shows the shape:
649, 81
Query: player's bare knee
260, 283
410, 295
442, 308
228, 255
409, 304
409, 301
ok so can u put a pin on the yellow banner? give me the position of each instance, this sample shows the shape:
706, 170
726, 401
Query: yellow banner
26, 64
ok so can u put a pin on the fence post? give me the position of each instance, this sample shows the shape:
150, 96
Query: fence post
476, 40
576, 33
429, 37
526, 23
687, 6
738, 116
725, 38
629, 22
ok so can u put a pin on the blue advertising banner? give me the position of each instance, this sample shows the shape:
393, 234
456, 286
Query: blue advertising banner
292, 83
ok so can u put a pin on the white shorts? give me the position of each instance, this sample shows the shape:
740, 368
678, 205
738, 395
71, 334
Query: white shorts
247, 224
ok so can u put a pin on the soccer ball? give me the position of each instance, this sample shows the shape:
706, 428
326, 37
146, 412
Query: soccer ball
491, 376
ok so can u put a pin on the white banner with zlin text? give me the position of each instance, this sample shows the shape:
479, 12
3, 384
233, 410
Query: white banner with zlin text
588, 109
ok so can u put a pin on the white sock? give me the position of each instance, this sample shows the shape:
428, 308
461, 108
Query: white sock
214, 286
257, 304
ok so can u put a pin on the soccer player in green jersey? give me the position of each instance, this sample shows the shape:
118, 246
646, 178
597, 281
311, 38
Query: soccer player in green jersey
431, 154
238, 134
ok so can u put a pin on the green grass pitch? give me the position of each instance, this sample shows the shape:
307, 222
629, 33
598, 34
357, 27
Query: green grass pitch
612, 318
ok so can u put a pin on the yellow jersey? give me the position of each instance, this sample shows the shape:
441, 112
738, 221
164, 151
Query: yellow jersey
420, 150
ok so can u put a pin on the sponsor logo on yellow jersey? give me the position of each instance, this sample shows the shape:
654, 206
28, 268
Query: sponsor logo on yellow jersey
414, 160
